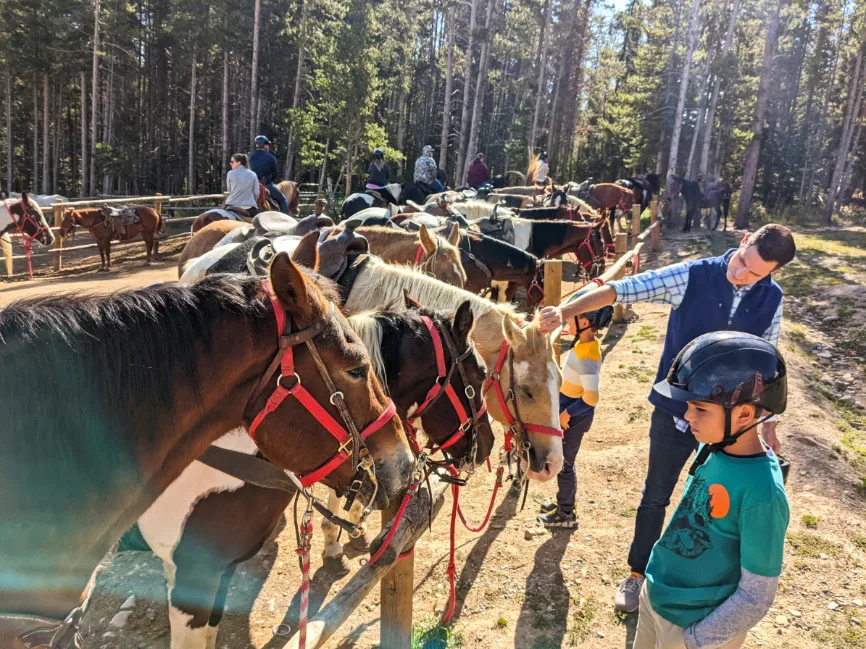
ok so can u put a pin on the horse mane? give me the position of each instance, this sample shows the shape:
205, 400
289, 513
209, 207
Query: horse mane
94, 364
390, 281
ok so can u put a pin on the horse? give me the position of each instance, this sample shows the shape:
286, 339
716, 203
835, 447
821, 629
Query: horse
290, 190
42, 200
606, 197
389, 195
642, 187
436, 255
26, 217
514, 201
519, 359
263, 204
691, 190
150, 378
103, 231
203, 563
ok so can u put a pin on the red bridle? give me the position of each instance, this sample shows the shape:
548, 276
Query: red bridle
284, 361
419, 254
443, 386
26, 239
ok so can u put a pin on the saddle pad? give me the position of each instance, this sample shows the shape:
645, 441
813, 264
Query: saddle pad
124, 213
273, 222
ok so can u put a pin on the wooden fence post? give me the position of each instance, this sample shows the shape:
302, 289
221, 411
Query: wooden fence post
396, 592
157, 205
655, 245
6, 244
58, 239
620, 247
553, 292
635, 219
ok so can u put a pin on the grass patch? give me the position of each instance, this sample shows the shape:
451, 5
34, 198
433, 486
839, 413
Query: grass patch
810, 545
809, 521
641, 373
631, 512
429, 634
619, 617
859, 541
638, 414
646, 332
841, 637
501, 622
581, 620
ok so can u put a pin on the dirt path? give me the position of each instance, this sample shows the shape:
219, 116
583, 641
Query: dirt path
556, 589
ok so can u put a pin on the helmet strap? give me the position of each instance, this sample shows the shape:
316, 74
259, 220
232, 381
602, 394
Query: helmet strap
727, 440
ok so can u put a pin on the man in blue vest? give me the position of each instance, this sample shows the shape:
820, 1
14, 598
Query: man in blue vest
264, 163
733, 292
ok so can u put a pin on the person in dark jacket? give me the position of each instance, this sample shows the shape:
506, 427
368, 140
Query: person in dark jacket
379, 171
478, 173
264, 164
731, 292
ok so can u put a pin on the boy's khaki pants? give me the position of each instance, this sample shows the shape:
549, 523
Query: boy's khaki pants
655, 632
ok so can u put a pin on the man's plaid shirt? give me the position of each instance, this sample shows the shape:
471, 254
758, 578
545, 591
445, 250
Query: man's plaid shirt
668, 286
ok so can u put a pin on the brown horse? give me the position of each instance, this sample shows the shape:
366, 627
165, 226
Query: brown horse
610, 196
435, 255
92, 218
233, 213
147, 379
292, 193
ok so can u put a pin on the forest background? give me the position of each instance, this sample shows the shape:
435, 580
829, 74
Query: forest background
138, 96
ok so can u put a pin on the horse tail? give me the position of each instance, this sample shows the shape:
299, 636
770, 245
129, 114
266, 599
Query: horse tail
160, 223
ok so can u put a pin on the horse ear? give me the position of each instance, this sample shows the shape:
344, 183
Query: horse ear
411, 303
453, 236
427, 241
307, 252
289, 284
513, 334
464, 320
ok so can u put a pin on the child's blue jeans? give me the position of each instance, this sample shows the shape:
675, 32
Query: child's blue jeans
578, 426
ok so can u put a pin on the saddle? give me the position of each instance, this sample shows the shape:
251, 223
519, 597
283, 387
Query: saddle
501, 228
117, 219
34, 632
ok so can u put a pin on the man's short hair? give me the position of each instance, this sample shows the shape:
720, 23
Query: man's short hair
775, 243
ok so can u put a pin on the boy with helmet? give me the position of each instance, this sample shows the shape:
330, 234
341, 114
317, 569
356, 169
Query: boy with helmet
264, 163
578, 397
714, 572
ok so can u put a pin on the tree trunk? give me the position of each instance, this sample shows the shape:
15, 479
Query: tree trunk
35, 184
254, 71
324, 167
855, 96
225, 120
557, 124
702, 109
349, 165
296, 98
401, 121
467, 82
451, 19
84, 166
190, 178
46, 151
711, 113
55, 158
684, 86
750, 169
479, 84
8, 127
94, 93
108, 119
542, 67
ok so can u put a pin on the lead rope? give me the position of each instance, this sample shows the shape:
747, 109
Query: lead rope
305, 537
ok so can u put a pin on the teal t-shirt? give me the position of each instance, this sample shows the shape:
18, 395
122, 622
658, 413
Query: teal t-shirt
733, 513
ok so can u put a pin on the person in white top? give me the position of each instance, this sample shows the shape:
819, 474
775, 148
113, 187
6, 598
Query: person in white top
541, 170
243, 186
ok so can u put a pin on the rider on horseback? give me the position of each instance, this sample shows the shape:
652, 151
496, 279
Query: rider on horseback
426, 171
242, 185
264, 164
379, 171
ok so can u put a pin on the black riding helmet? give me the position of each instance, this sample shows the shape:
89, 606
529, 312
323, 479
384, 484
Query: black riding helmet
598, 319
728, 368
261, 140
543, 156
378, 153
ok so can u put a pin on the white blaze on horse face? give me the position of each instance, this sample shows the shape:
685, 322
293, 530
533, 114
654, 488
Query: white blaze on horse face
522, 234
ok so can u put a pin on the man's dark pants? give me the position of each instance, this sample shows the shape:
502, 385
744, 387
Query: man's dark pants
567, 478
278, 196
669, 450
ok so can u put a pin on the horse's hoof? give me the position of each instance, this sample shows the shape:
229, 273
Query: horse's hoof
357, 547
336, 566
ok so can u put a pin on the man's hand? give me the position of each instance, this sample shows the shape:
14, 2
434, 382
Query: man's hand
768, 432
549, 319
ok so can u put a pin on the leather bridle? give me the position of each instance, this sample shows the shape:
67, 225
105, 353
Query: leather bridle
443, 386
350, 440
25, 218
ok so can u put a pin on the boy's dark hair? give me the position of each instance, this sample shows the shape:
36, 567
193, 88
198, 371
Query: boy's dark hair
775, 243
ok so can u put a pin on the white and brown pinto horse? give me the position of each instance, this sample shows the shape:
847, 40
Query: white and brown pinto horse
150, 378
24, 216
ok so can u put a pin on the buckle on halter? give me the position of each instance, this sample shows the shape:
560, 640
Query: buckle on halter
334, 396
295, 375
355, 486
469, 391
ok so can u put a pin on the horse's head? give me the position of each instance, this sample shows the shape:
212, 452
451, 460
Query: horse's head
463, 370
533, 375
67, 225
30, 219
332, 365
441, 256
557, 197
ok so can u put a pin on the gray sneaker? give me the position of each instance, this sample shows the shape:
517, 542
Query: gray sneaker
627, 597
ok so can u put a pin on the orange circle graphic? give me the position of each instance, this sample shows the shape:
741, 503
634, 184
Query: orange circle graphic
720, 501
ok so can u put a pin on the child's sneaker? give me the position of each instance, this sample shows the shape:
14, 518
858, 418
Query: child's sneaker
549, 507
557, 519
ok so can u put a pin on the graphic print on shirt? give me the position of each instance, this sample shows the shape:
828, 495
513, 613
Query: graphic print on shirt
688, 534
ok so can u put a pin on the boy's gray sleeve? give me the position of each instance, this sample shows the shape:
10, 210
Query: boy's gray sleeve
736, 615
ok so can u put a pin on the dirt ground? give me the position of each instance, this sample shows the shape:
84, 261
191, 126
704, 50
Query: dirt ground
556, 589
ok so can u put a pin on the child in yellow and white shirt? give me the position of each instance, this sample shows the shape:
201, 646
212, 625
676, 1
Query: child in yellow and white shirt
577, 400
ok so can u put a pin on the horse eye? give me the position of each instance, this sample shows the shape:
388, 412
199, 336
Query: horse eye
358, 372
526, 392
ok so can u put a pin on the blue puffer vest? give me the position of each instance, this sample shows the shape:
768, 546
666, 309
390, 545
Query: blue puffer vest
705, 308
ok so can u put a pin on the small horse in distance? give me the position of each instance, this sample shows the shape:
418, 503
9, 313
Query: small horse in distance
101, 228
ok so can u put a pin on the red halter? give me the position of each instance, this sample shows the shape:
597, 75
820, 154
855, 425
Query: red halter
287, 370
443, 383
26, 239
418, 254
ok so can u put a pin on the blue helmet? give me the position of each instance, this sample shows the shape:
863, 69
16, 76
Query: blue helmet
261, 140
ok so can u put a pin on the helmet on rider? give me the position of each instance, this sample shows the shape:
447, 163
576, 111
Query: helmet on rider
261, 141
728, 368
543, 156
598, 319
378, 153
